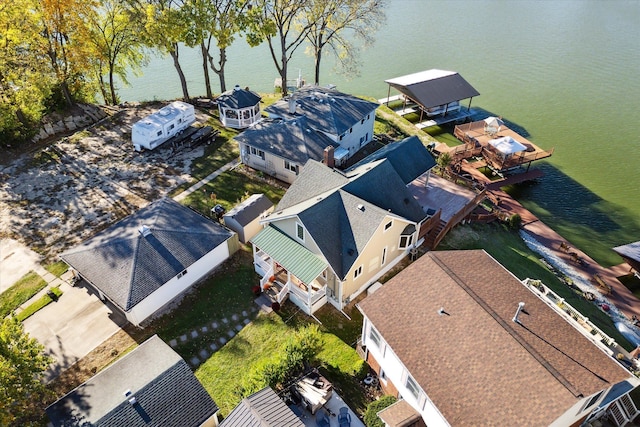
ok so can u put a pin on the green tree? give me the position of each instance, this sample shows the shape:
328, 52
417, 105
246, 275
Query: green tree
166, 26
64, 40
278, 23
334, 24
24, 77
22, 364
117, 45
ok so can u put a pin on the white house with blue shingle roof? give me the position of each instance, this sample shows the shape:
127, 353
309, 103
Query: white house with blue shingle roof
334, 234
281, 148
144, 261
345, 119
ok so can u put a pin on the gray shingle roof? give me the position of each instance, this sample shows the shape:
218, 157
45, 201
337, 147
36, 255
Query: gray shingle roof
128, 266
327, 202
631, 251
327, 110
409, 158
250, 209
381, 185
314, 180
262, 409
291, 139
166, 391
238, 98
344, 218
434, 87
476, 364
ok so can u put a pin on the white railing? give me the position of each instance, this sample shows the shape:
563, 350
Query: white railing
266, 277
282, 295
558, 303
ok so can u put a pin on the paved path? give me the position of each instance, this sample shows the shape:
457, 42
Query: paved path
232, 164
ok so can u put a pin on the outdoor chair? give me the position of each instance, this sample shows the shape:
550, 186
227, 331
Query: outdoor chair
322, 419
344, 418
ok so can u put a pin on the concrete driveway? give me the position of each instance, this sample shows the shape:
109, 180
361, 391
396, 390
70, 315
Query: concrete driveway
16, 260
73, 326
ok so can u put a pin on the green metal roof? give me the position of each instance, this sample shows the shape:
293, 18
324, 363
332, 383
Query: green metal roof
294, 257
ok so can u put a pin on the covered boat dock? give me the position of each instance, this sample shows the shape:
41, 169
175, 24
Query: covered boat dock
434, 94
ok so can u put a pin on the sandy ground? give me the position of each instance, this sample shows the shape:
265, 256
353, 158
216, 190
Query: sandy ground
53, 199
16, 260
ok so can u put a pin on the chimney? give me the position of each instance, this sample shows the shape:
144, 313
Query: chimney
292, 106
328, 157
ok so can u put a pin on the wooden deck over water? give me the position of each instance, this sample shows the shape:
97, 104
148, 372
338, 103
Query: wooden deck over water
476, 141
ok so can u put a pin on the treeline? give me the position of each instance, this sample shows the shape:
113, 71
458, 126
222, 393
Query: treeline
56, 53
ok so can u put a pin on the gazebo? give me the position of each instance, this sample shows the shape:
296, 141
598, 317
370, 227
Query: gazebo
239, 108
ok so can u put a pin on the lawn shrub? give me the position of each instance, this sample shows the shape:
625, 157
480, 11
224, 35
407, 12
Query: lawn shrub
370, 417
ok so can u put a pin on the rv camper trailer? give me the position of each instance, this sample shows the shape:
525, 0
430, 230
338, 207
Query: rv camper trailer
158, 127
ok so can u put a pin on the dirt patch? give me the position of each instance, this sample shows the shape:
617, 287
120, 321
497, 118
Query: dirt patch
99, 358
55, 197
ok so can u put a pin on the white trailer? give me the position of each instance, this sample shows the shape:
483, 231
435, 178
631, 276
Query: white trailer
158, 127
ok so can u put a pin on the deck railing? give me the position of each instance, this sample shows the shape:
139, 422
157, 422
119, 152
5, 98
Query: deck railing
454, 220
558, 303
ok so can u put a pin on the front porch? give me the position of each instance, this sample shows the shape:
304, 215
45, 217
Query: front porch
289, 270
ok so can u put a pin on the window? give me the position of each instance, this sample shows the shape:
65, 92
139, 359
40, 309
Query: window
182, 273
593, 400
405, 241
172, 126
384, 256
388, 225
350, 130
357, 272
362, 140
412, 387
300, 231
374, 336
159, 133
341, 136
291, 166
257, 152
362, 121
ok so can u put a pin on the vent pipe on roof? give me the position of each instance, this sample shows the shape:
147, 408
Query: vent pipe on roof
236, 87
518, 310
144, 230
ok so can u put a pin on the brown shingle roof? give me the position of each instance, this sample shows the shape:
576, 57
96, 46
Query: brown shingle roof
476, 364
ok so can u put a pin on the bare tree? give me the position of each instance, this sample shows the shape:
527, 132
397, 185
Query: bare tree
278, 23
336, 23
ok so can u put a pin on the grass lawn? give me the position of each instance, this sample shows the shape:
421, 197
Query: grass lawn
510, 250
57, 268
231, 188
226, 292
29, 285
37, 305
632, 283
225, 372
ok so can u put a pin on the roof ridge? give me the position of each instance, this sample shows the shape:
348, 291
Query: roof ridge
507, 327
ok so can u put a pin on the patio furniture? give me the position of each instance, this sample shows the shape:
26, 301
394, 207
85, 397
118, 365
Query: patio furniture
344, 418
322, 419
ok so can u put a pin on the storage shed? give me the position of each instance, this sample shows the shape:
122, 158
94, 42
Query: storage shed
239, 108
244, 219
165, 123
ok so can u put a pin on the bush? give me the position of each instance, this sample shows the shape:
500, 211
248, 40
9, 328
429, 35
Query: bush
514, 221
370, 417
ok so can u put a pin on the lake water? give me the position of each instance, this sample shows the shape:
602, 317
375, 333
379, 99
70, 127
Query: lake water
566, 72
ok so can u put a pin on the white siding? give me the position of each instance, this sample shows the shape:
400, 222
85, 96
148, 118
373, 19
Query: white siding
396, 372
175, 286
